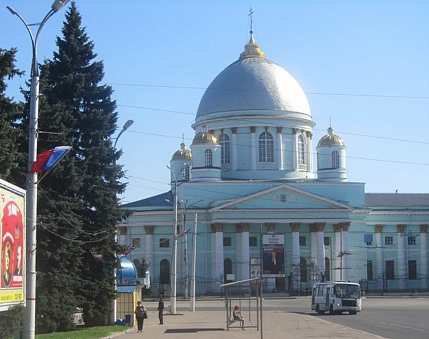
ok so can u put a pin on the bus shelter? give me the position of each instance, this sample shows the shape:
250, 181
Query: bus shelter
245, 293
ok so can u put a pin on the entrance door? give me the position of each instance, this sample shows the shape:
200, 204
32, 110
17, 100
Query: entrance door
280, 284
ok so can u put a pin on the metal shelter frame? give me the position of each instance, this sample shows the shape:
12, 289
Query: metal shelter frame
244, 287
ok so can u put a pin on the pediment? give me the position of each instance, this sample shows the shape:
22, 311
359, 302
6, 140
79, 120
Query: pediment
281, 197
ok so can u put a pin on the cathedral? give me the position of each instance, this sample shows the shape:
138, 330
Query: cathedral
248, 199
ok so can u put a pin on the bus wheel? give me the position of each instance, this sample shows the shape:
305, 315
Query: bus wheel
318, 309
331, 309
352, 312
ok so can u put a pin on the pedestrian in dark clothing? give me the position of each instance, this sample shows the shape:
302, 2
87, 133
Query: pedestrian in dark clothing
141, 315
160, 311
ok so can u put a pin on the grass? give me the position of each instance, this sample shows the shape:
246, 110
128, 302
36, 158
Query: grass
85, 333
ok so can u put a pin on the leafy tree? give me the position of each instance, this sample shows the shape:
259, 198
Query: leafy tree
10, 321
9, 113
78, 207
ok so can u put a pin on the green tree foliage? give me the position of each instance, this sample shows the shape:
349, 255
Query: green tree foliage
10, 321
9, 113
78, 208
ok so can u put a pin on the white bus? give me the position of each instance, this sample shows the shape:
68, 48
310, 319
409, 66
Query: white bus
336, 297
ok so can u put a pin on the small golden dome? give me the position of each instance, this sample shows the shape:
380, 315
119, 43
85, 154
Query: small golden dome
182, 153
252, 49
330, 139
203, 138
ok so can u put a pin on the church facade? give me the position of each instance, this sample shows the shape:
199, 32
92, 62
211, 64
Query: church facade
248, 178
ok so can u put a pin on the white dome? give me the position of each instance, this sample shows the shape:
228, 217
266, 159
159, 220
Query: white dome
251, 86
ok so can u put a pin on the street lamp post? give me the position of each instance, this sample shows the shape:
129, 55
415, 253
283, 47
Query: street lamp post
184, 206
174, 256
112, 318
126, 126
31, 184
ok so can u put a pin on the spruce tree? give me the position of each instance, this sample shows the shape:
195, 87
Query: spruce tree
78, 207
9, 116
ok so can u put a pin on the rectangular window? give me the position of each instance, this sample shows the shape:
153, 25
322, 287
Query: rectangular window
226, 241
390, 269
411, 240
412, 269
388, 240
302, 241
369, 274
253, 241
164, 242
327, 241
368, 239
136, 242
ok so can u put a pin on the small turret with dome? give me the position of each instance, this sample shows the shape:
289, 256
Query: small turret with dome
206, 161
180, 164
331, 157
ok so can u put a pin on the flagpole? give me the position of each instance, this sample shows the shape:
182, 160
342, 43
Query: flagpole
194, 264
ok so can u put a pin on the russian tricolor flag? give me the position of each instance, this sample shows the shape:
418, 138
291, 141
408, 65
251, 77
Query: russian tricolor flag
186, 230
47, 160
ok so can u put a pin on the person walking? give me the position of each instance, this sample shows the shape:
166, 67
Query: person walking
161, 311
141, 315
237, 316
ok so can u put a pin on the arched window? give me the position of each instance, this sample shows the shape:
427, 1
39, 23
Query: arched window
225, 150
164, 272
266, 147
303, 266
185, 172
227, 268
335, 160
327, 269
318, 161
209, 158
301, 159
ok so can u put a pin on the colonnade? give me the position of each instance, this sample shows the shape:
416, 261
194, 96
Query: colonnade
317, 249
402, 244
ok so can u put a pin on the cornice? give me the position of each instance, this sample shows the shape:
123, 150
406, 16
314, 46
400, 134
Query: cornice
280, 187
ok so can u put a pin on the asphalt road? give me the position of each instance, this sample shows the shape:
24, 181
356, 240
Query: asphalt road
393, 318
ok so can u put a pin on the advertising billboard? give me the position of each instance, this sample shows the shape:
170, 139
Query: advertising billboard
12, 251
273, 265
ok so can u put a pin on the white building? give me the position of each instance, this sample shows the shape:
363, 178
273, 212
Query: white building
249, 172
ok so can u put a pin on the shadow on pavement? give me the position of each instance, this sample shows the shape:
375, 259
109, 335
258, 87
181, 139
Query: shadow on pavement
192, 330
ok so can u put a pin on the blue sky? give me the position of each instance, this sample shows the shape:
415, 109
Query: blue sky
363, 64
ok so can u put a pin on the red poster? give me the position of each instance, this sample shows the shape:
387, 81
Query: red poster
12, 245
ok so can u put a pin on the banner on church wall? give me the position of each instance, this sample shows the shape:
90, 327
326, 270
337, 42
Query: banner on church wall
273, 265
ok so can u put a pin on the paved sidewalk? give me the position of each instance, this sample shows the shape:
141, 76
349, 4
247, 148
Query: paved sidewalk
212, 325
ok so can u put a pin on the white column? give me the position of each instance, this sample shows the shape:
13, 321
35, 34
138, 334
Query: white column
280, 148
252, 148
296, 256
379, 267
402, 268
346, 251
234, 149
313, 250
149, 248
295, 150
337, 251
122, 239
424, 255
320, 248
245, 256
218, 256
309, 150
239, 252
270, 282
